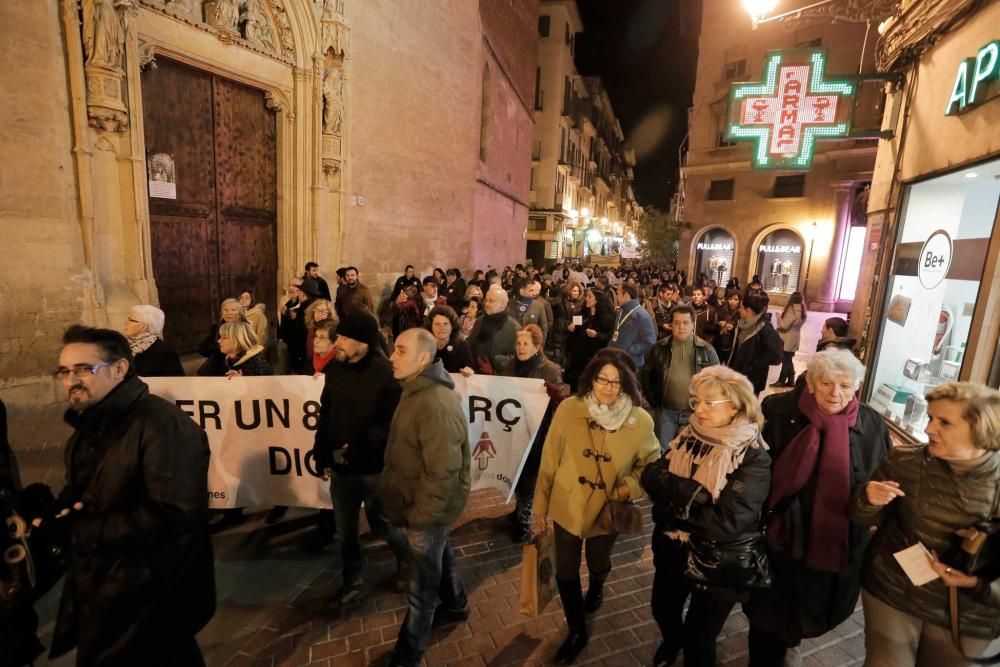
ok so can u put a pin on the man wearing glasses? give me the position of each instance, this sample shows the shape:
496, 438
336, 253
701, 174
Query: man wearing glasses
672, 363
140, 581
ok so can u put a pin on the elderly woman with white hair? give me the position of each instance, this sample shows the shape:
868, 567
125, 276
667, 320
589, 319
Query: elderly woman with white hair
825, 445
151, 357
494, 335
708, 492
927, 494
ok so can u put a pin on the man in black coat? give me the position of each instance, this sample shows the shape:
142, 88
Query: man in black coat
454, 289
141, 581
356, 409
322, 289
408, 279
756, 345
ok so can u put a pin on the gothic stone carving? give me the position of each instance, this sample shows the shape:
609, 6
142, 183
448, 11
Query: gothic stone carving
104, 44
223, 15
256, 25
333, 100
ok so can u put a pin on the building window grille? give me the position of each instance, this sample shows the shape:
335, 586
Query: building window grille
734, 70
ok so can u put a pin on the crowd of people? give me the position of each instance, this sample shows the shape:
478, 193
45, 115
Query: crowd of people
792, 506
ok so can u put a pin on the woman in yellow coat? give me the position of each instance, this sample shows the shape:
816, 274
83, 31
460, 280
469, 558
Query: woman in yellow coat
598, 443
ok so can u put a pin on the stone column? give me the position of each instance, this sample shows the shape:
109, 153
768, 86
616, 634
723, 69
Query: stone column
826, 297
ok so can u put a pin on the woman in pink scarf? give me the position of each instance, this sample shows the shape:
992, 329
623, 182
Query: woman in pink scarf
823, 444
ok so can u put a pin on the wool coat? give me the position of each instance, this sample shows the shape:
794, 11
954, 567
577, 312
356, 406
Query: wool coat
559, 494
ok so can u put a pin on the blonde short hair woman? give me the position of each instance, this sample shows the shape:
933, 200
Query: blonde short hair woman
924, 494
709, 487
244, 356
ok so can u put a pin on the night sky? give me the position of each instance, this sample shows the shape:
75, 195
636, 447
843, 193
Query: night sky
646, 53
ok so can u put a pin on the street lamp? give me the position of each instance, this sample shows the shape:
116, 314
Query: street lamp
811, 233
850, 11
758, 9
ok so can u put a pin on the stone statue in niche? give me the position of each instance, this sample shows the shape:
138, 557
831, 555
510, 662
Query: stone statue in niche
284, 30
256, 28
332, 9
183, 7
104, 36
223, 14
333, 100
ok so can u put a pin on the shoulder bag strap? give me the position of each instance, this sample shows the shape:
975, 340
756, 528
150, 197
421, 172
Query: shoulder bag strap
956, 635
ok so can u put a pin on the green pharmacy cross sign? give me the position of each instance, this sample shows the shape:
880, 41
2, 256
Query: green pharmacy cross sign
790, 109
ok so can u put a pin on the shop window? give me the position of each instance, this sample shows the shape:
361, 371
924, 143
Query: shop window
544, 23
714, 255
779, 261
854, 252
789, 186
933, 288
721, 190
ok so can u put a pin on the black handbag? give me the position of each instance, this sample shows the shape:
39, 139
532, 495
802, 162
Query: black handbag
976, 550
739, 564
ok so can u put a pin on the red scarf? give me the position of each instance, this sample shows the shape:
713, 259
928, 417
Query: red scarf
320, 361
822, 449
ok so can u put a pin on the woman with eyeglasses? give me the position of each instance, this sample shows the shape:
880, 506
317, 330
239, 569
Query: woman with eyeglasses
151, 356
318, 311
597, 446
709, 487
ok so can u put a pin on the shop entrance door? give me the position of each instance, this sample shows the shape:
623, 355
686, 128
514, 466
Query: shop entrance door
214, 228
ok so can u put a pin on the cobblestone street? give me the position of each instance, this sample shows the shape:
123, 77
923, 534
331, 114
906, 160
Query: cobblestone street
270, 591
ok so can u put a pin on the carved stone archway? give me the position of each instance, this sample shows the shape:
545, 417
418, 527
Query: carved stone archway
295, 50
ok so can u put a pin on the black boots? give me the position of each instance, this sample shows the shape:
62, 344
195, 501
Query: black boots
572, 599
595, 591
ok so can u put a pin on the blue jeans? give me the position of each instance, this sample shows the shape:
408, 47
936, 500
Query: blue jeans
349, 491
671, 422
433, 578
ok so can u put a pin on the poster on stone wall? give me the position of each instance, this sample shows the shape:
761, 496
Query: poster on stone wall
162, 176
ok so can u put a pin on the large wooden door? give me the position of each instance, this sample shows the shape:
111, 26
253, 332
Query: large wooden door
218, 237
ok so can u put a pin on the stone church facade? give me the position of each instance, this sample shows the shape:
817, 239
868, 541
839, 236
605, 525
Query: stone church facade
177, 152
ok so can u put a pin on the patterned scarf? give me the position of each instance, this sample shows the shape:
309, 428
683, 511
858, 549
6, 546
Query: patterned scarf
713, 453
141, 343
609, 417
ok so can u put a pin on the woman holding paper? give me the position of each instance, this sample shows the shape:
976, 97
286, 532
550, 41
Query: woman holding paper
589, 331
824, 444
918, 498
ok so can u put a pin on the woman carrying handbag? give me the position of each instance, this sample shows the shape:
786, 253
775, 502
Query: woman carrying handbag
598, 443
708, 491
930, 495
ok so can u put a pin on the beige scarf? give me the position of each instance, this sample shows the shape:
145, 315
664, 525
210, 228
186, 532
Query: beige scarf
715, 452
609, 417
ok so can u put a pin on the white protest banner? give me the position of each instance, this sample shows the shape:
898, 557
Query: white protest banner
260, 430
504, 415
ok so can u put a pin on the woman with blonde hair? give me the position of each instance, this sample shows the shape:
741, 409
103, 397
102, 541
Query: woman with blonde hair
708, 492
243, 355
925, 494
215, 362
318, 311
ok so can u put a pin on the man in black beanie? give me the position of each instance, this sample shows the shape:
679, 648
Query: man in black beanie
356, 408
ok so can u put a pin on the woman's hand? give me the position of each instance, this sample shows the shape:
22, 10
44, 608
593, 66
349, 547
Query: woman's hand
952, 577
571, 327
467, 372
539, 525
591, 333
880, 494
624, 493
234, 374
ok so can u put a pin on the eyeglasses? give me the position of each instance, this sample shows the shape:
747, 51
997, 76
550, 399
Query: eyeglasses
694, 403
81, 370
602, 381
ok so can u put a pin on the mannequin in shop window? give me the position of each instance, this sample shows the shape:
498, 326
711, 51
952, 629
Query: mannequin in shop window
775, 272
786, 274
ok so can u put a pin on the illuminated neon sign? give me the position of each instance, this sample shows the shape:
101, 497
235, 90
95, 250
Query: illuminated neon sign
976, 80
792, 107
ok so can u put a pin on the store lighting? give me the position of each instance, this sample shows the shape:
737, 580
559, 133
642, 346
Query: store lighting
584, 212
594, 235
758, 9
971, 174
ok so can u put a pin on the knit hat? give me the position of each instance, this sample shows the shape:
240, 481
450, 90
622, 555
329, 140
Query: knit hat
359, 325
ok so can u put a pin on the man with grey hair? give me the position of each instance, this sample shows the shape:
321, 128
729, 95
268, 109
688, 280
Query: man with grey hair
825, 445
424, 487
494, 335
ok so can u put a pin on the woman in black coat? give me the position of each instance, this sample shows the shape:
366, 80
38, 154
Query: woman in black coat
824, 443
584, 340
709, 487
215, 361
151, 357
452, 349
530, 362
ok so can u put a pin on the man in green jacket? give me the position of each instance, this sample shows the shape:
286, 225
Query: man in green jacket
424, 488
